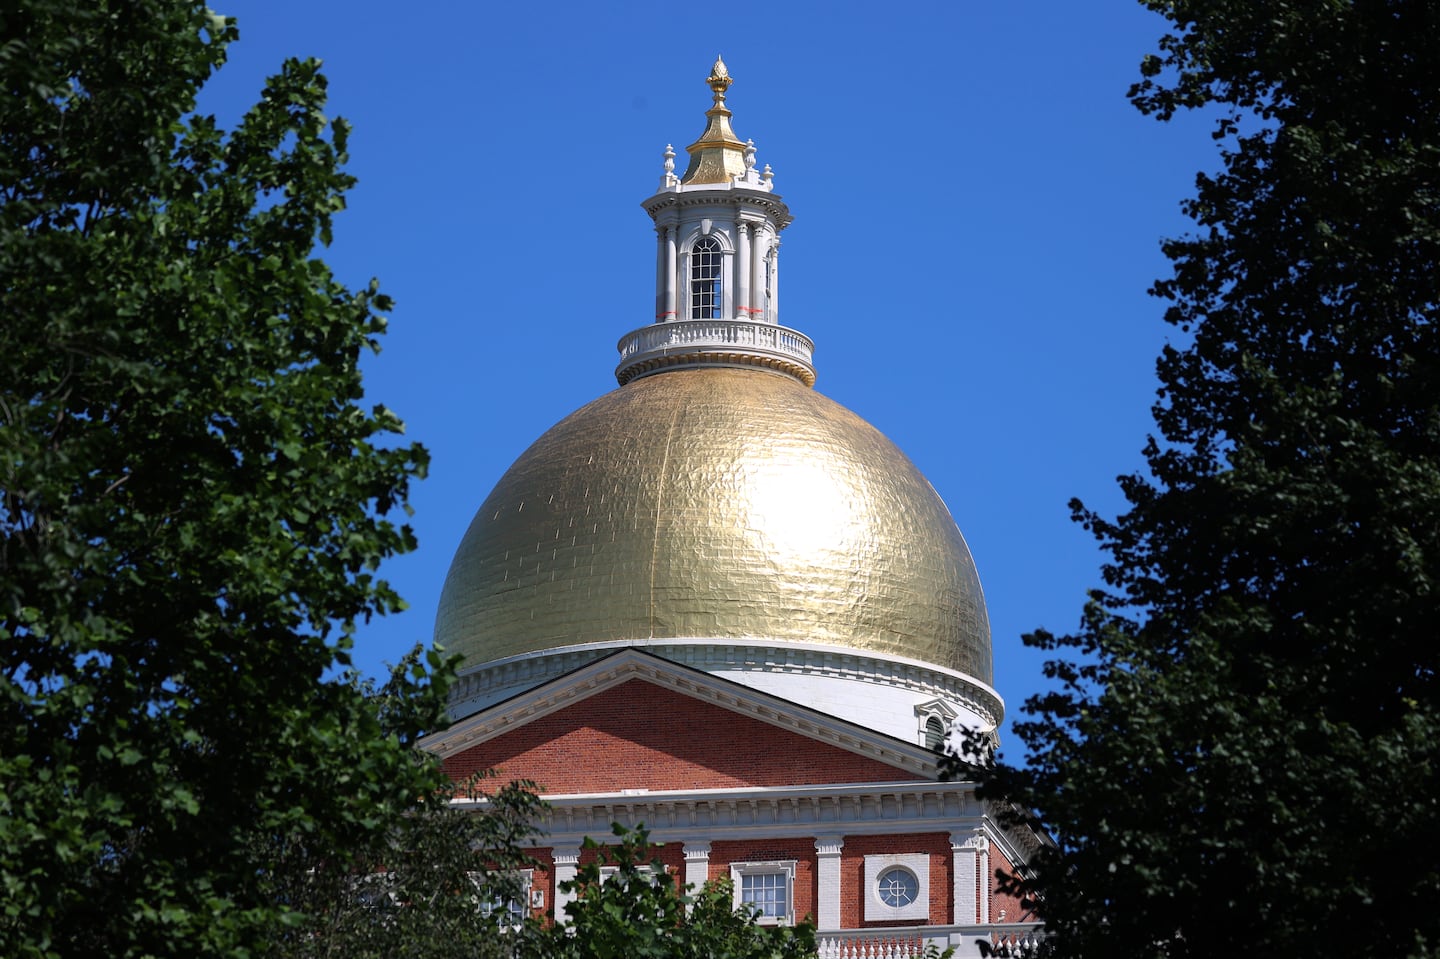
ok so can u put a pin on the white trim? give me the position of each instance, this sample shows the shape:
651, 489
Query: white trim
827, 881
486, 684
698, 232
934, 709
519, 909
697, 864
783, 867
632, 663
565, 863
765, 813
917, 865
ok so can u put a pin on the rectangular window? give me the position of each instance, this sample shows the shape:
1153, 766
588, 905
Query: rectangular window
510, 911
767, 888
767, 893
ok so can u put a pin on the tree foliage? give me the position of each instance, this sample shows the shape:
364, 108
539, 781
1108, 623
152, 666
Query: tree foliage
1240, 755
638, 912
193, 500
436, 885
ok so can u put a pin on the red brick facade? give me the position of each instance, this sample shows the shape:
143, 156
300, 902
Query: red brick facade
852, 876
802, 850
642, 736
1010, 905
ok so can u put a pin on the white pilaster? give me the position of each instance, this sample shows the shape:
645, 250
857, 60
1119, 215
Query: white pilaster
697, 864
963, 846
567, 864
827, 874
984, 880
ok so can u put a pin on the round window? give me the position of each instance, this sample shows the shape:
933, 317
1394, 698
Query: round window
898, 887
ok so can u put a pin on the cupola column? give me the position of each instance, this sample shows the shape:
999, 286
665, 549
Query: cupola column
670, 267
775, 282
757, 274
662, 286
727, 288
665, 273
742, 269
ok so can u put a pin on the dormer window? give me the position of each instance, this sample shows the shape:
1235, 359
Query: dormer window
934, 733
705, 291
935, 719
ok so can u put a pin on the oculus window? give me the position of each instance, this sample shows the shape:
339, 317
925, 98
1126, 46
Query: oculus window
897, 886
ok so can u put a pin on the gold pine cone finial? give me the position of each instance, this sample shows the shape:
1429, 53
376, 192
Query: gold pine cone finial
719, 79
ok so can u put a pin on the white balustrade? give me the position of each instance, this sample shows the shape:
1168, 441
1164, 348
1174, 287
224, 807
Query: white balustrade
648, 347
910, 942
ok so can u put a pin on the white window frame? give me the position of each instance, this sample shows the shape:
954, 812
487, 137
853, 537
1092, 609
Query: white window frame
647, 870
918, 865
706, 304
784, 867
519, 909
934, 709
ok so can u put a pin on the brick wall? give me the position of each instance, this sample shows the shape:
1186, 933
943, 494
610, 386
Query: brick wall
802, 850
542, 877
641, 736
1014, 910
852, 876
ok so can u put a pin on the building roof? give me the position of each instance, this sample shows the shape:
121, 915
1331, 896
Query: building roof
717, 503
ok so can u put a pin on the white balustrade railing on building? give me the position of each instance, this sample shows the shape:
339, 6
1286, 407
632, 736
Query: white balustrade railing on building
693, 334
1020, 939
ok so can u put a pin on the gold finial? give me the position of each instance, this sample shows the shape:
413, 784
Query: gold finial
719, 80
718, 156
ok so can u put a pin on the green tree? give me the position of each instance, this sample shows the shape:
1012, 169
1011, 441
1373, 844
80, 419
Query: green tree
638, 912
193, 502
436, 885
1240, 755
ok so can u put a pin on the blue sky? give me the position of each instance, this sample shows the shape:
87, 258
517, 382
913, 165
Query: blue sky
978, 212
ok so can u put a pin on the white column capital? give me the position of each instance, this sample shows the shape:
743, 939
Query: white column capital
697, 850
971, 839
565, 855
829, 845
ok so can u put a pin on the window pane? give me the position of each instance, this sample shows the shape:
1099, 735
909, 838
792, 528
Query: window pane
768, 892
897, 887
705, 292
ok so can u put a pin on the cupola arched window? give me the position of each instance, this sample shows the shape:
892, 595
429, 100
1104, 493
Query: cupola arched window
705, 289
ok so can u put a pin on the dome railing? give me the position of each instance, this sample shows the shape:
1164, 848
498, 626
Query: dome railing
715, 343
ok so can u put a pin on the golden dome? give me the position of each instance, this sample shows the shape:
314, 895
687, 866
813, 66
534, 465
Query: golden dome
715, 503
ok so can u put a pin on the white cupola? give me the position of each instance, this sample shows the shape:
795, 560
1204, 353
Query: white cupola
717, 261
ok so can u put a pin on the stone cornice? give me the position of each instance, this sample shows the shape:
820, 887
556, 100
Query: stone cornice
532, 669
722, 194
720, 815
